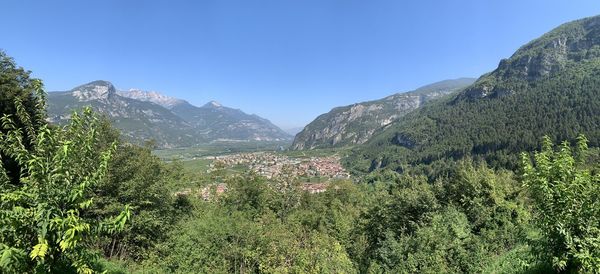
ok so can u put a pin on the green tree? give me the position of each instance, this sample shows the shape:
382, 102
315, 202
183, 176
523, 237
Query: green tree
285, 192
22, 99
42, 228
249, 194
141, 180
136, 178
565, 195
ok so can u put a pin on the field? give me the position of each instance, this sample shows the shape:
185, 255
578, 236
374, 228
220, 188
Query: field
197, 159
219, 148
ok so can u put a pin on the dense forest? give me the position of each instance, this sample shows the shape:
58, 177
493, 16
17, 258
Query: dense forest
77, 198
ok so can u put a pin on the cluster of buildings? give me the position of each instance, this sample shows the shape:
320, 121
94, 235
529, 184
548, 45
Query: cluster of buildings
271, 165
329, 167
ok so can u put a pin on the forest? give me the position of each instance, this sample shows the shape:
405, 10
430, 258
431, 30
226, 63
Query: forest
77, 198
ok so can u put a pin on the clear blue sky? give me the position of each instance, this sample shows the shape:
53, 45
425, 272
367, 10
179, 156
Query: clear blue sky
287, 61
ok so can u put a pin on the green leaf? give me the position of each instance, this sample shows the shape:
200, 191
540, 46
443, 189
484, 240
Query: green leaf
39, 251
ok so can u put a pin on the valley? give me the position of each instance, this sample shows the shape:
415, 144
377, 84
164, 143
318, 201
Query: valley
495, 174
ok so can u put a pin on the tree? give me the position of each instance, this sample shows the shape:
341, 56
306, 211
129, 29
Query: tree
22, 99
42, 223
249, 194
139, 179
565, 195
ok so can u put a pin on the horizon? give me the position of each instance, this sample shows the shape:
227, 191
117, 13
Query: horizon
316, 55
217, 103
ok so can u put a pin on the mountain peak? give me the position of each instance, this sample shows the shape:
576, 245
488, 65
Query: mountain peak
96, 90
153, 97
213, 104
171, 122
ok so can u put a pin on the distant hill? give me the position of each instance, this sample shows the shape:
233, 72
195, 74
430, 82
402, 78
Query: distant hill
169, 121
355, 124
222, 123
550, 86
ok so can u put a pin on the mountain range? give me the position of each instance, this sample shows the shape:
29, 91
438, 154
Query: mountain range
170, 122
355, 124
549, 86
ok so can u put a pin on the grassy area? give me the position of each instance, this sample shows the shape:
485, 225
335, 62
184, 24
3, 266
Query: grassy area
202, 165
219, 148
197, 165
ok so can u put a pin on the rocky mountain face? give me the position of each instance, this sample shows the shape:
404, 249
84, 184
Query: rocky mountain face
548, 87
356, 123
170, 122
559, 49
153, 97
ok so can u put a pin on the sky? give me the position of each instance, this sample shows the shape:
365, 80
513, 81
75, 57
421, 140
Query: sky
285, 60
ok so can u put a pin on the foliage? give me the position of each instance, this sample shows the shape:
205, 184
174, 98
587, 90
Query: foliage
257, 227
22, 98
136, 178
567, 207
43, 228
458, 224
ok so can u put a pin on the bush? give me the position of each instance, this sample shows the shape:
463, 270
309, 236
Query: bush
42, 228
565, 195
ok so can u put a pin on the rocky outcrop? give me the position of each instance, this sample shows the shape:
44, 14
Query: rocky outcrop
97, 90
541, 58
152, 96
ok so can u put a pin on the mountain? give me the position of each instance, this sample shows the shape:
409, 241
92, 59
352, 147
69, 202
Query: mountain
137, 120
220, 122
550, 86
169, 121
356, 123
153, 97
215, 121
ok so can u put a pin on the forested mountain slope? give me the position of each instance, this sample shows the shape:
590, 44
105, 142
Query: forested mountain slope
355, 124
550, 86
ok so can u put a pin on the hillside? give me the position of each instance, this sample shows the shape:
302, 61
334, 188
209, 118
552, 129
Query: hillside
169, 121
355, 124
219, 122
550, 86
137, 120
213, 120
